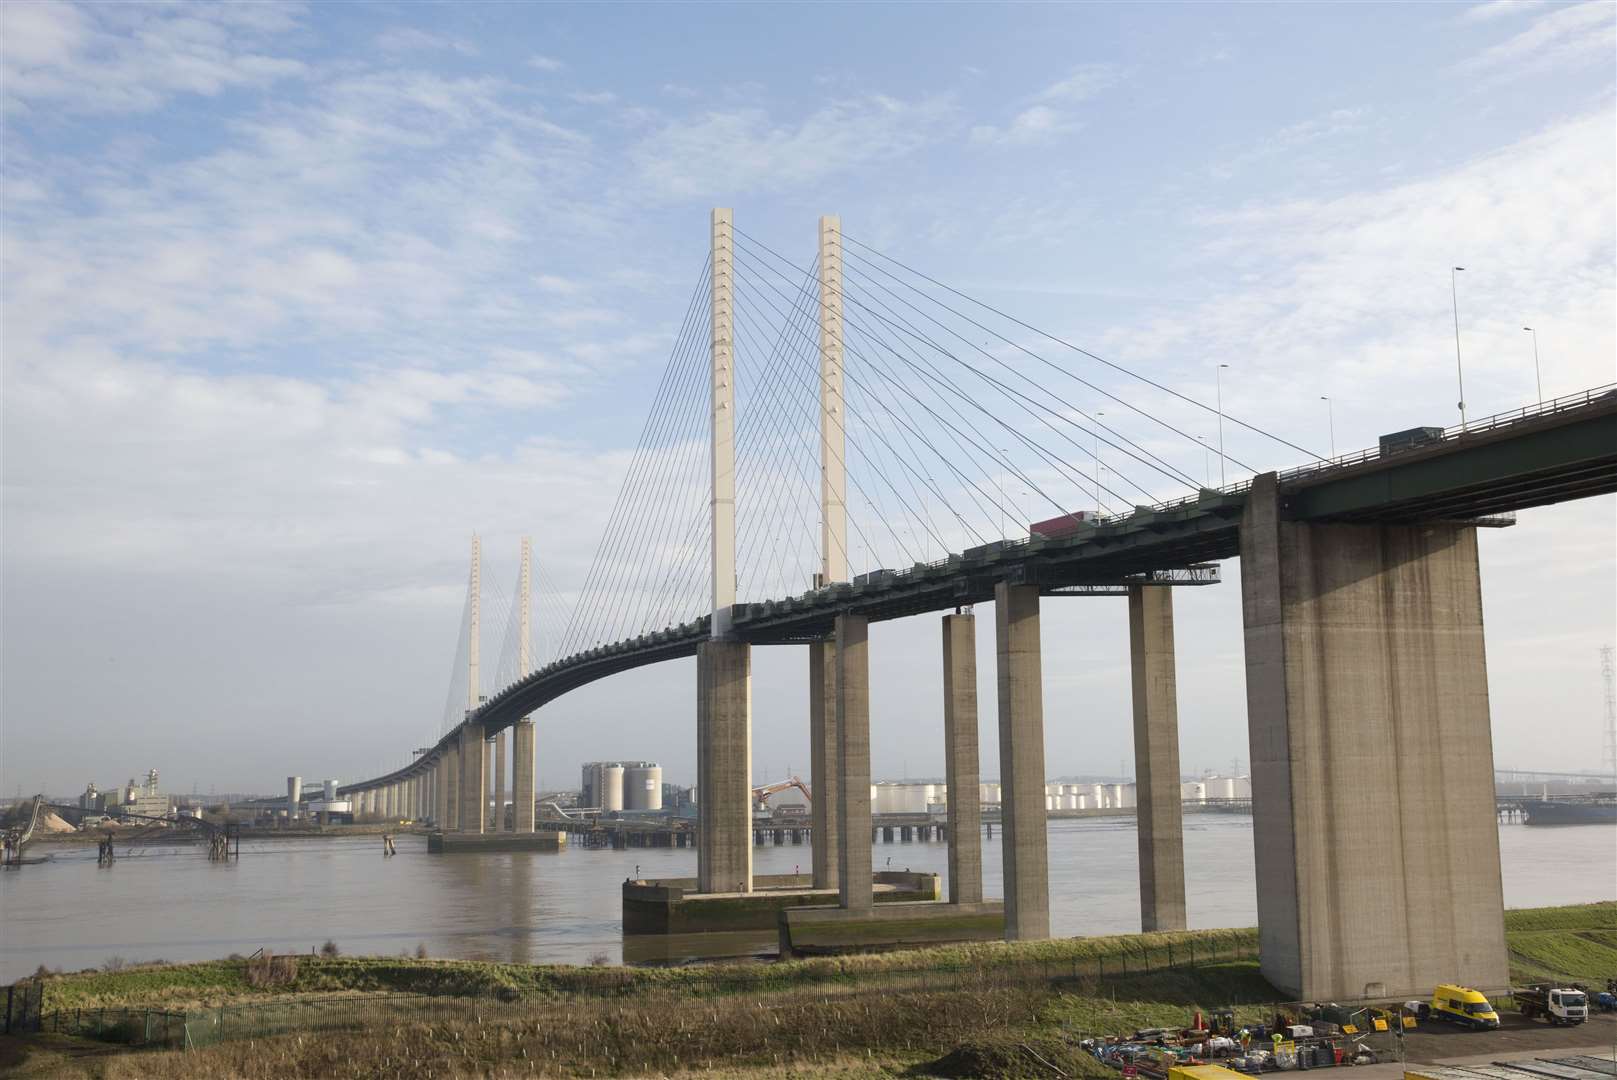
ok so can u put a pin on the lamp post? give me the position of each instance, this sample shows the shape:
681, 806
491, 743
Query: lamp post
1459, 370
1098, 465
1537, 377
1330, 417
1218, 382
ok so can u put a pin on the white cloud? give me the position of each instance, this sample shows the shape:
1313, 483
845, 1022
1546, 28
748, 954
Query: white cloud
135, 57
727, 151
1084, 83
598, 97
1562, 37
1048, 113
545, 63
407, 39
1034, 124
1289, 139
1495, 9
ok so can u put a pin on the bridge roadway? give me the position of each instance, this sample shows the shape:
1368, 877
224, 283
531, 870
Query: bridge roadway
1565, 449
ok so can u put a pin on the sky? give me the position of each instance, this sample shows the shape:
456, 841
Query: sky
298, 298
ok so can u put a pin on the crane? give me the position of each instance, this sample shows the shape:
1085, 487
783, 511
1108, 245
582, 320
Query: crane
761, 794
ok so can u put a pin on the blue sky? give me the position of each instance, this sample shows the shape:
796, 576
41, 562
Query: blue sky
296, 297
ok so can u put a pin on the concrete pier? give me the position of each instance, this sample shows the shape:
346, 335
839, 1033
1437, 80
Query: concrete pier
440, 792
523, 764
724, 766
499, 782
1021, 762
823, 809
473, 804
1159, 809
1372, 757
854, 880
960, 758
488, 784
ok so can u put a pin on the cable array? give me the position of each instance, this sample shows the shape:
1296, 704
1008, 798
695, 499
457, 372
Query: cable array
963, 424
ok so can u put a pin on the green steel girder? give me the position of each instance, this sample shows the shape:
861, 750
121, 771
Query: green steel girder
1532, 467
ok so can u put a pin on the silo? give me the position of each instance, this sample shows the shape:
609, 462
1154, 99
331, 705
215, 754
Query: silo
1226, 787
1097, 796
294, 795
1193, 791
611, 786
1081, 802
643, 786
331, 790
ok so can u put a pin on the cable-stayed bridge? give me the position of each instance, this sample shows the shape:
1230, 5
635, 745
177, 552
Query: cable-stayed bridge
846, 439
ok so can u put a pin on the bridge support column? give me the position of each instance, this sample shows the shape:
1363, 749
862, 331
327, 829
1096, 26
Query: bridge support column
1021, 762
960, 758
453, 785
1367, 701
488, 784
854, 880
1156, 759
387, 801
522, 769
473, 778
724, 766
499, 782
440, 792
823, 784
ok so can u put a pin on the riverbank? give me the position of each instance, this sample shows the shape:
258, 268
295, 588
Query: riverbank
990, 1009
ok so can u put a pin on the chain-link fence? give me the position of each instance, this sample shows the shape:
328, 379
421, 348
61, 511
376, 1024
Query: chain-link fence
24, 1003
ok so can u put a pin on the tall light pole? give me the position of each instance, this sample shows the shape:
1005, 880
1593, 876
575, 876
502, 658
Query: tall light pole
1330, 417
1454, 294
1218, 382
1002, 450
1537, 377
1098, 510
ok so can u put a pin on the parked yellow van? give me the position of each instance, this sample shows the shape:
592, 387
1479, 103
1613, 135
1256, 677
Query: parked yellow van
1463, 1005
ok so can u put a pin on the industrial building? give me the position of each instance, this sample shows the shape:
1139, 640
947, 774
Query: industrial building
130, 798
621, 786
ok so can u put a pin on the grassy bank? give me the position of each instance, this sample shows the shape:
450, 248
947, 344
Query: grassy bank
972, 1010
1577, 943
178, 985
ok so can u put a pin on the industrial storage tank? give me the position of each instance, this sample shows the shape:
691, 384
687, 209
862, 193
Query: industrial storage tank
1226, 787
331, 790
988, 793
643, 786
1193, 791
610, 779
294, 794
1097, 796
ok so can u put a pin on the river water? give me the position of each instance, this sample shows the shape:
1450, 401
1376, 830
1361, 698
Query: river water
171, 903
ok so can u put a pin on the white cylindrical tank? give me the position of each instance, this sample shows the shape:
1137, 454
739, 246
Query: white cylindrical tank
1225, 786
1097, 796
1243, 787
988, 793
611, 786
331, 790
1049, 801
643, 786
294, 794
1081, 802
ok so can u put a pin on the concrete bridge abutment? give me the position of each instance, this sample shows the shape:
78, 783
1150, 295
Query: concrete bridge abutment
724, 766
960, 759
1025, 845
1372, 757
523, 766
1159, 810
824, 808
855, 885
473, 778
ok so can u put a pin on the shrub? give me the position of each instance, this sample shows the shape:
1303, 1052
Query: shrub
330, 949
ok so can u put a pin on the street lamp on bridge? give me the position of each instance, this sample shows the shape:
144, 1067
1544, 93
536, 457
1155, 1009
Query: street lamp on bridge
1537, 377
1454, 294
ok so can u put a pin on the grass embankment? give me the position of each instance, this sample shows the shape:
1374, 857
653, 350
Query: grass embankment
215, 982
1011, 1010
1577, 943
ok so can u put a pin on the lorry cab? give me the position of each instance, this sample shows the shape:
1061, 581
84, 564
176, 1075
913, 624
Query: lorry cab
1463, 1005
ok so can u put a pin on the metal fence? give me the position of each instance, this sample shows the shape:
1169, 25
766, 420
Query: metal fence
187, 1030
24, 1003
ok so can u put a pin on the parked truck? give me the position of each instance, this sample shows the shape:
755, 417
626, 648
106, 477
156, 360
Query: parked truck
1558, 1005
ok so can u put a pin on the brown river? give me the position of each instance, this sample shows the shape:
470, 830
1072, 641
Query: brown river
171, 903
